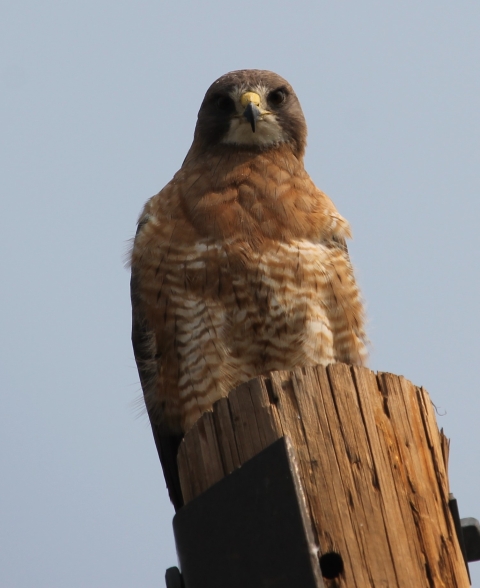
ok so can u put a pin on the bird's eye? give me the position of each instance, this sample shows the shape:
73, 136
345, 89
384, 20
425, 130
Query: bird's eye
276, 97
224, 103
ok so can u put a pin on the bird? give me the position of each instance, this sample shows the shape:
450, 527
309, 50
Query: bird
239, 265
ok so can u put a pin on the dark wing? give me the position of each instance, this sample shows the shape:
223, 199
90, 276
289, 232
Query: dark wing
356, 318
144, 349
341, 244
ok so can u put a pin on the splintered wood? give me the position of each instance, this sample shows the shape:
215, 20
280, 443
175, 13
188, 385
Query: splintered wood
371, 460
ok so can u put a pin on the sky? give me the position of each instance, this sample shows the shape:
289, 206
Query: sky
98, 102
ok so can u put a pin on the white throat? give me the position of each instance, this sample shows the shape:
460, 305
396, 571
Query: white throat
268, 132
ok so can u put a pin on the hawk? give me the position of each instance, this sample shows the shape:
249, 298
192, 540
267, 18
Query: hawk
239, 265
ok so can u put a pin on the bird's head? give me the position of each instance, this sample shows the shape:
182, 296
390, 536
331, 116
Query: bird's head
251, 108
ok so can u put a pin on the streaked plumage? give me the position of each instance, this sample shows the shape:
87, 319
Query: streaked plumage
239, 265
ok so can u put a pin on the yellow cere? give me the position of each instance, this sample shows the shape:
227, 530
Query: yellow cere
250, 97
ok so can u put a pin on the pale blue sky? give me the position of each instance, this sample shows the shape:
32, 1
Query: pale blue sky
98, 101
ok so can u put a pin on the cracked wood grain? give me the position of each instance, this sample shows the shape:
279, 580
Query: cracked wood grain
372, 462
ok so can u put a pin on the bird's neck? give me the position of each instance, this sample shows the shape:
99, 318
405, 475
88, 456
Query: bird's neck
235, 157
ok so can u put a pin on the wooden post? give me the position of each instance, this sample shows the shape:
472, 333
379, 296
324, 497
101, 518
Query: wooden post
371, 460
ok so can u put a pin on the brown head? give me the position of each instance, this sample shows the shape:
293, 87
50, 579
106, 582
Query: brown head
252, 109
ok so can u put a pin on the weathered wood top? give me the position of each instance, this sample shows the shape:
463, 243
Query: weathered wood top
371, 459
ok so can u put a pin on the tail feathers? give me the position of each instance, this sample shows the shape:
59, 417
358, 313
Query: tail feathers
167, 447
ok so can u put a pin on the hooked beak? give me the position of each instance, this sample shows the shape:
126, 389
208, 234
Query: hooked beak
251, 102
251, 113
